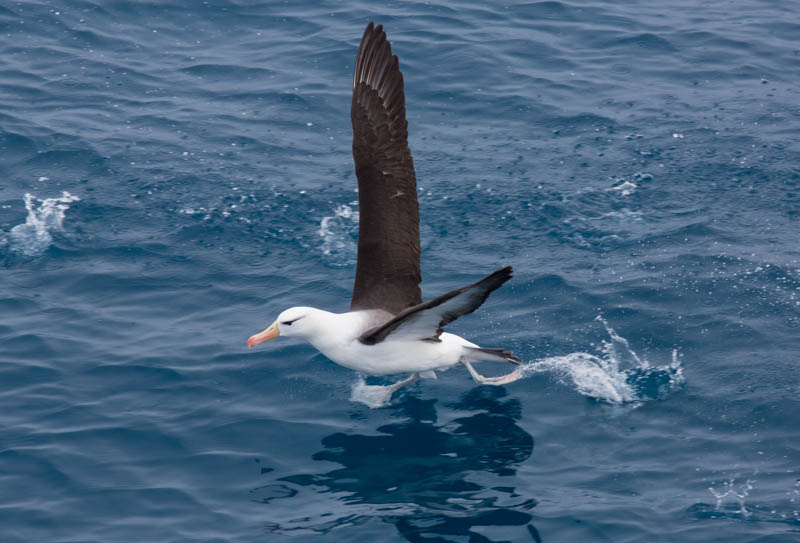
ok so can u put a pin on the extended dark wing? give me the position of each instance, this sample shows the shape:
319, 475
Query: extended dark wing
427, 320
387, 273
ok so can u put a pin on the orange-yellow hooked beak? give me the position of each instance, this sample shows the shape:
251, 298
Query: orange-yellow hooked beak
268, 334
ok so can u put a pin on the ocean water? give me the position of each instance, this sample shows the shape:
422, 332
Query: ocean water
174, 174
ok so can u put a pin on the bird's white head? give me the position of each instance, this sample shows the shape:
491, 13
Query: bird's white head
295, 321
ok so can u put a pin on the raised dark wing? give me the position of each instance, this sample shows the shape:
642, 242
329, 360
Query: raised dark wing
427, 320
387, 273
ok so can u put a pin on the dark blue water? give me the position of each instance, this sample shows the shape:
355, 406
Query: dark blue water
174, 174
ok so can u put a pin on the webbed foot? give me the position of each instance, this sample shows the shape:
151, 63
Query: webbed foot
377, 395
494, 381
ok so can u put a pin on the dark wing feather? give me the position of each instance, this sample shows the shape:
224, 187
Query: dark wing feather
427, 320
388, 272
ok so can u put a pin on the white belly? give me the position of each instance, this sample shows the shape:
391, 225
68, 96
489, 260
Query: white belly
398, 356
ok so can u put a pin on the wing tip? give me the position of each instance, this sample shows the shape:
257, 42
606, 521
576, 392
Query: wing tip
372, 53
500, 276
373, 28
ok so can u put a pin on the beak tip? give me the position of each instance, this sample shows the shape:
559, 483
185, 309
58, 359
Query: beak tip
266, 335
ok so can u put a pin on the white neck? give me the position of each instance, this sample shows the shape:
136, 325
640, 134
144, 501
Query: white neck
326, 331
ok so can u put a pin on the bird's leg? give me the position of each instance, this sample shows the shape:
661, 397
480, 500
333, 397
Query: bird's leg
376, 395
400, 384
495, 381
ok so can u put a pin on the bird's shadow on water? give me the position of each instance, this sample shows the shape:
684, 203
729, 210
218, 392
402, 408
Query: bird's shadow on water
433, 481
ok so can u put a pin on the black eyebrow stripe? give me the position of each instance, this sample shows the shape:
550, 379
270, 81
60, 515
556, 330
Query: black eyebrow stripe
294, 320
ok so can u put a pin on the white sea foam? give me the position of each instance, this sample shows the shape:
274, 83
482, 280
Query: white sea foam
617, 376
338, 233
34, 236
625, 188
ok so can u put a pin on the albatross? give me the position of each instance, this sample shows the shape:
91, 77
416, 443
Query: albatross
389, 329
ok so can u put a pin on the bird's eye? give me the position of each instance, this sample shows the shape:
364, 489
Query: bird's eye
289, 323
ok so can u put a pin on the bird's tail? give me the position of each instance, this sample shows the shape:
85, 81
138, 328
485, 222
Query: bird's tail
480, 354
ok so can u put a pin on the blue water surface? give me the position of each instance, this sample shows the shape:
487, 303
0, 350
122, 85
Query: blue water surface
175, 174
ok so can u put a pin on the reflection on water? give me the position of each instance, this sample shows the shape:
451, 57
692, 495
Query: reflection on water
426, 478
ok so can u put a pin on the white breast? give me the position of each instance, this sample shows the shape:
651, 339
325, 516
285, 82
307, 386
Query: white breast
339, 342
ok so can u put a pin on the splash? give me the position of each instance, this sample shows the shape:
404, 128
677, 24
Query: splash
731, 492
34, 236
734, 501
338, 233
627, 186
370, 395
617, 376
